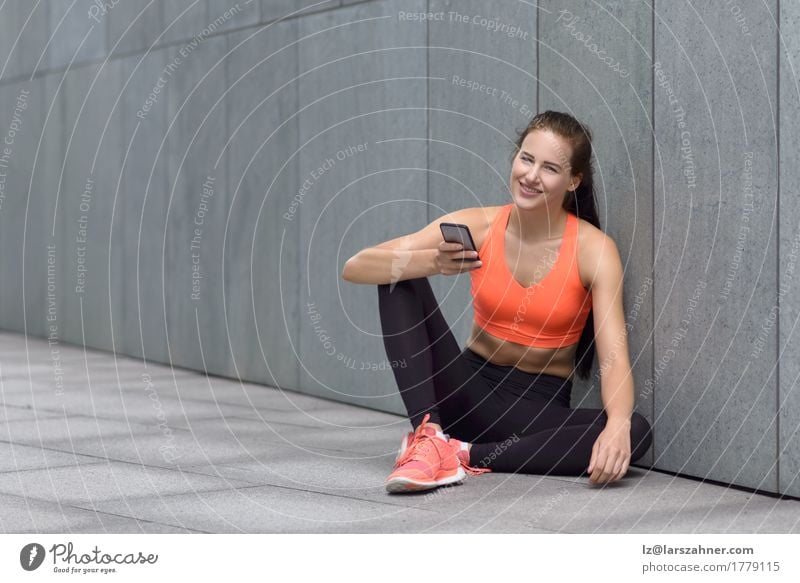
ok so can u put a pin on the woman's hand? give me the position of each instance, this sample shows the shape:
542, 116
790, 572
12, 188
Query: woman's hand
611, 453
452, 260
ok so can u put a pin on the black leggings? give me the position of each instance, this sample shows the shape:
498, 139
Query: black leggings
516, 421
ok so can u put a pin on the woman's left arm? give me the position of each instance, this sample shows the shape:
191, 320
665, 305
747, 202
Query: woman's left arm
611, 452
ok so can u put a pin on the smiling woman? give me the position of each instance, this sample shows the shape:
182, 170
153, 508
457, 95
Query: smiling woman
503, 402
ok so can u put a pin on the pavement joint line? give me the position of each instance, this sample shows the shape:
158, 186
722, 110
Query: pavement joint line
75, 453
420, 494
56, 467
121, 419
108, 462
269, 388
276, 486
100, 459
78, 441
137, 519
61, 506
85, 416
127, 499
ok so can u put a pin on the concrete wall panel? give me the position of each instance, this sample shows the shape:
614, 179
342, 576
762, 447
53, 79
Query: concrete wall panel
262, 283
715, 242
197, 208
785, 316
362, 134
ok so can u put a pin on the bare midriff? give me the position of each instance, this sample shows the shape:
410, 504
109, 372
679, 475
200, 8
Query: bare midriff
532, 359
553, 361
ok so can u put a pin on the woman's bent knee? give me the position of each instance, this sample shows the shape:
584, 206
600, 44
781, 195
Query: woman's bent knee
641, 435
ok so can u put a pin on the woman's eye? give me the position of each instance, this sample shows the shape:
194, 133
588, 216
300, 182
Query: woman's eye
529, 161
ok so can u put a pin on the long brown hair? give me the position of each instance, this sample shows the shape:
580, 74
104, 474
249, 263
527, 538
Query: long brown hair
580, 202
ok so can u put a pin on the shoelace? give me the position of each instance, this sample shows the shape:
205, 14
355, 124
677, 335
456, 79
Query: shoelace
420, 444
472, 471
417, 450
420, 448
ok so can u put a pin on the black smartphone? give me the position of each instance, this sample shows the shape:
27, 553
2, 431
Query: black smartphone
458, 233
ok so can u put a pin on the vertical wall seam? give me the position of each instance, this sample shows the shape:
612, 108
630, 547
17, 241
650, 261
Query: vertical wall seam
537, 46
226, 169
298, 237
109, 39
778, 250
653, 217
47, 32
228, 164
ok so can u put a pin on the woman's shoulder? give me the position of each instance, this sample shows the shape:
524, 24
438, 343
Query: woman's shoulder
594, 247
486, 214
479, 219
588, 233
476, 218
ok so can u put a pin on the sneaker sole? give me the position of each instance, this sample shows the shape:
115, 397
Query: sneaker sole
401, 484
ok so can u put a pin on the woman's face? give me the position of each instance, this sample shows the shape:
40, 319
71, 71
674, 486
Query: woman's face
542, 164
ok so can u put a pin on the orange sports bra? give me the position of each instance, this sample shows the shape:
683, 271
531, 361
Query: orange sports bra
547, 314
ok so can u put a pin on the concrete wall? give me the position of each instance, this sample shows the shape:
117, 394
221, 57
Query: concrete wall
157, 149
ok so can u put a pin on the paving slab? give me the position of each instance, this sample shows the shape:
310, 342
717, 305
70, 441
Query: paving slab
64, 430
22, 515
276, 510
22, 413
89, 483
15, 457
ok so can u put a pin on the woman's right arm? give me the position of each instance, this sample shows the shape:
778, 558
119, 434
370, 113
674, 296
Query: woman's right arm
406, 257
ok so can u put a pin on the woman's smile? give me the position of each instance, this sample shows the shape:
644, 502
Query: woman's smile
530, 192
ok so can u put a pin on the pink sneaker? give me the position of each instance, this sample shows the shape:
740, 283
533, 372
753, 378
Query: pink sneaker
407, 439
430, 461
463, 458
463, 455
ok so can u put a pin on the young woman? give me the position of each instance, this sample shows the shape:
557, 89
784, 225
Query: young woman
545, 269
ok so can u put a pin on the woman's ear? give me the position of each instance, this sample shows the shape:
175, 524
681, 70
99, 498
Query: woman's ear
576, 180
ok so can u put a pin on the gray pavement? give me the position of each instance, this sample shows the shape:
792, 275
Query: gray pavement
106, 443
